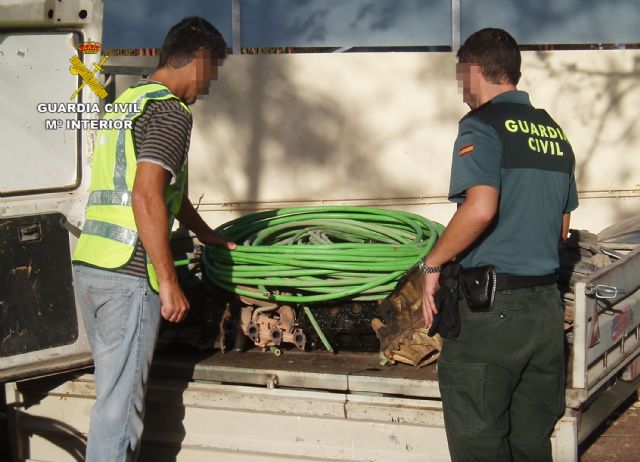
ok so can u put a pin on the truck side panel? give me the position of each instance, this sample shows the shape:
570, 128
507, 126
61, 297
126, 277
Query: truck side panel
43, 180
38, 307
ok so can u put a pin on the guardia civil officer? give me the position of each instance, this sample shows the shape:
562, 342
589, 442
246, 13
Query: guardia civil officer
502, 377
123, 270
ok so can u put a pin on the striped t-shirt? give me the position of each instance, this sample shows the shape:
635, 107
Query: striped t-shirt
161, 135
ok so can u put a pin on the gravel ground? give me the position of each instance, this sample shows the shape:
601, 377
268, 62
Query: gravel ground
618, 438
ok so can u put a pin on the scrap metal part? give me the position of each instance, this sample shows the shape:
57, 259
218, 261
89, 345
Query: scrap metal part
270, 324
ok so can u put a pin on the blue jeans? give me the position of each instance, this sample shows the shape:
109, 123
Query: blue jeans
121, 316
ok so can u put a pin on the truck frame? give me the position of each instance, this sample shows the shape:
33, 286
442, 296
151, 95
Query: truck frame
239, 406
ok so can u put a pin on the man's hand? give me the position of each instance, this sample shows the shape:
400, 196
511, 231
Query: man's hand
429, 288
468, 223
174, 303
150, 213
210, 237
190, 217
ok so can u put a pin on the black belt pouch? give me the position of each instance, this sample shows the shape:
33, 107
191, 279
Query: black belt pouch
447, 321
479, 287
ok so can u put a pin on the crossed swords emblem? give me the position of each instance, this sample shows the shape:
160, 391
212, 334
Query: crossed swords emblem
78, 68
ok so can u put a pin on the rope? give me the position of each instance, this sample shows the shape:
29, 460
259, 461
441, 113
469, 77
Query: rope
318, 254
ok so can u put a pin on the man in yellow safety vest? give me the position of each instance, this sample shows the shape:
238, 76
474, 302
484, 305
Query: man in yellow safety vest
124, 275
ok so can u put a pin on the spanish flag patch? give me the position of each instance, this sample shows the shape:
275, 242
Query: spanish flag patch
465, 150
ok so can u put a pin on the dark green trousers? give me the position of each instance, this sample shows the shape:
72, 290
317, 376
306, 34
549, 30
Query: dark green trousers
502, 379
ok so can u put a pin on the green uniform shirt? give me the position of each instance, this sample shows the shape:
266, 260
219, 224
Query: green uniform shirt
522, 152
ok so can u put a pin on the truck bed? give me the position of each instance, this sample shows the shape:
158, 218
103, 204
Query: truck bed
251, 406
344, 372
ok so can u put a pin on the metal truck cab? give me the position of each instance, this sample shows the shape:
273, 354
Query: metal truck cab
43, 181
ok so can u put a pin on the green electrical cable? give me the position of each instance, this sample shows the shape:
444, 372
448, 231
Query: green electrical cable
185, 261
319, 254
317, 328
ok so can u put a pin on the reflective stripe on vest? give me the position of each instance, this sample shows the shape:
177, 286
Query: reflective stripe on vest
110, 234
119, 173
107, 197
110, 231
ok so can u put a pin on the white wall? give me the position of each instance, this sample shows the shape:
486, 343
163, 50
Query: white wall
377, 129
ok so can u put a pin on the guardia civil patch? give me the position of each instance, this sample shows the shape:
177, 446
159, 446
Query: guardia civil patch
466, 150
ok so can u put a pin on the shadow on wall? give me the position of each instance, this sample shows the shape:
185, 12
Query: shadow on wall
299, 129
371, 126
601, 91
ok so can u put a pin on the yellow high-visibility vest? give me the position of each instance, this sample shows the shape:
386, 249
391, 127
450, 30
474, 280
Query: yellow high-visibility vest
110, 235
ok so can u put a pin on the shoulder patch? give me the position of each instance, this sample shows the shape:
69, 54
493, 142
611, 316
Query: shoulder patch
466, 150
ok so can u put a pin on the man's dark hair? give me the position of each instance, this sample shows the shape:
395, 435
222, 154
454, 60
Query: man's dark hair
188, 36
496, 52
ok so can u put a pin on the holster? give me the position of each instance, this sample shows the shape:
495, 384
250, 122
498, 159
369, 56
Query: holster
479, 287
447, 321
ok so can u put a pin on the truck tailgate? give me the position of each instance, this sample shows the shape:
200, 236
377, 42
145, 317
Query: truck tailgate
346, 371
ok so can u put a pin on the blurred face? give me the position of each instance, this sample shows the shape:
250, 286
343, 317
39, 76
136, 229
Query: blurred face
468, 77
204, 70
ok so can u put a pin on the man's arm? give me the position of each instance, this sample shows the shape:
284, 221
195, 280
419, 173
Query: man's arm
470, 220
566, 218
150, 213
190, 217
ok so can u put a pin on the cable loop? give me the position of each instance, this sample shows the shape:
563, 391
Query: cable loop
319, 254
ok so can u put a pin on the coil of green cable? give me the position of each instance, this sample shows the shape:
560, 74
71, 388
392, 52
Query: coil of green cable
318, 254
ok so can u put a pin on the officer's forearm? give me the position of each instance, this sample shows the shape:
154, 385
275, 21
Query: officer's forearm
466, 225
566, 218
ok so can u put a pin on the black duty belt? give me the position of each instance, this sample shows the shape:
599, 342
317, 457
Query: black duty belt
509, 281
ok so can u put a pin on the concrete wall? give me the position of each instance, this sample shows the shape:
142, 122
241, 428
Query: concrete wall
377, 129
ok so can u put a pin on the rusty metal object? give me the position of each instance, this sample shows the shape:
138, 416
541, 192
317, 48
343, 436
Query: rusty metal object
403, 338
269, 324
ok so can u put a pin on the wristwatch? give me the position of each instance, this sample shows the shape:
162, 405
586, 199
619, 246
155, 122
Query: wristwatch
424, 269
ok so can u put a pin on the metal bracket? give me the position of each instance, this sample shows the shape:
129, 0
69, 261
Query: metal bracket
603, 291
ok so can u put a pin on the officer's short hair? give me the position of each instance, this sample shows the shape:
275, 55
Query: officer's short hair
188, 36
496, 52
